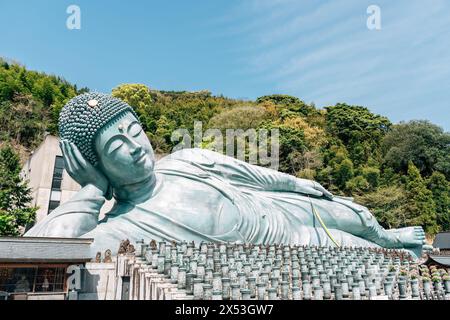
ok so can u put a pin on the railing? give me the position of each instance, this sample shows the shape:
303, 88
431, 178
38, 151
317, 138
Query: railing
32, 295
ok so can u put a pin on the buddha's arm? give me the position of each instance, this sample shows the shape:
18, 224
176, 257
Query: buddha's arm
271, 180
73, 218
240, 173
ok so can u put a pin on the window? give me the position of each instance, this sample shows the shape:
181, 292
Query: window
17, 279
49, 280
59, 162
58, 173
56, 184
52, 206
32, 279
55, 193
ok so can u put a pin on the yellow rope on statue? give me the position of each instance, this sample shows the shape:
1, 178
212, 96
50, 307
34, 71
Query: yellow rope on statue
322, 223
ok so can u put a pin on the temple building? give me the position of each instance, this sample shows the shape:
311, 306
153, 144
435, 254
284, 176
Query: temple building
37, 268
441, 257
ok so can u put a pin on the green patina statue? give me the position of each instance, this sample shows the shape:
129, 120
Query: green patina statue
193, 194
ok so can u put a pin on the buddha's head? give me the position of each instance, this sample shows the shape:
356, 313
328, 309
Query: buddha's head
108, 134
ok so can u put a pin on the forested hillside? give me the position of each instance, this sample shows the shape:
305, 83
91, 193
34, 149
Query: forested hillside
400, 171
29, 104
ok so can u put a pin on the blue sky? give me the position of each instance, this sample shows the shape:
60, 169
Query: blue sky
319, 51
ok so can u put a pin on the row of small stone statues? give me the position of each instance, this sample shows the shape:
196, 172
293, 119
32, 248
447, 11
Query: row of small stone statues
245, 271
125, 247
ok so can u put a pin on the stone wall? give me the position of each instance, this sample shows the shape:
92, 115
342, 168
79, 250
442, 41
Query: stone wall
98, 281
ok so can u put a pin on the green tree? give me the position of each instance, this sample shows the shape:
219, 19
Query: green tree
440, 188
30, 103
357, 185
337, 167
165, 127
291, 105
136, 95
389, 177
358, 129
365, 179
420, 207
23, 120
343, 173
372, 175
15, 195
241, 117
139, 97
291, 144
421, 142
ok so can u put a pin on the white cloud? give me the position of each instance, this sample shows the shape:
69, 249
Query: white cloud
323, 51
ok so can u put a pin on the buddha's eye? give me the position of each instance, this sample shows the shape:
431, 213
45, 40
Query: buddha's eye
115, 145
134, 130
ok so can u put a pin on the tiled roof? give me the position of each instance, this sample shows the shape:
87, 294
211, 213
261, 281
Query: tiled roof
442, 260
442, 240
30, 249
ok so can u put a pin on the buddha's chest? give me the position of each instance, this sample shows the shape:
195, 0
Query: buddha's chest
196, 204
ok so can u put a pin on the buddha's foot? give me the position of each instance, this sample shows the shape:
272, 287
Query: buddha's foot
410, 237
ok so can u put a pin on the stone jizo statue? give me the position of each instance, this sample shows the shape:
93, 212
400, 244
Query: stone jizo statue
108, 255
123, 246
192, 194
153, 244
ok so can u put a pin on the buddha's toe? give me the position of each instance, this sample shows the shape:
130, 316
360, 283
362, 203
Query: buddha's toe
419, 234
412, 236
419, 229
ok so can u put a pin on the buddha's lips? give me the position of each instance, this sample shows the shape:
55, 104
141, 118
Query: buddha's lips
139, 159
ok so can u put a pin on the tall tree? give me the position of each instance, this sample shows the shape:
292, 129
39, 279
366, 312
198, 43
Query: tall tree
15, 212
440, 188
420, 207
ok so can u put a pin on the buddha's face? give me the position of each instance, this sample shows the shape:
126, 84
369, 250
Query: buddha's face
124, 151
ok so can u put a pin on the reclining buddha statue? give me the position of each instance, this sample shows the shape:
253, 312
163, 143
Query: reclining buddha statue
193, 194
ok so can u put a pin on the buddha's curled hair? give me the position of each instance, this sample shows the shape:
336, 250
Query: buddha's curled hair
83, 116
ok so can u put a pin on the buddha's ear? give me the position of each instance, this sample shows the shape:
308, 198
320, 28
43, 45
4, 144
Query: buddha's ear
109, 192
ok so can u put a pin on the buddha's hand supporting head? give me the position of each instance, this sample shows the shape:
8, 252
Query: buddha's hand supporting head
110, 140
81, 170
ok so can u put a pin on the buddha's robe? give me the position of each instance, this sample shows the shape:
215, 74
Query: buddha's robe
204, 196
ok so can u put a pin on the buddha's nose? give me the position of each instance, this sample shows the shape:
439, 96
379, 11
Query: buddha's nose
135, 149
